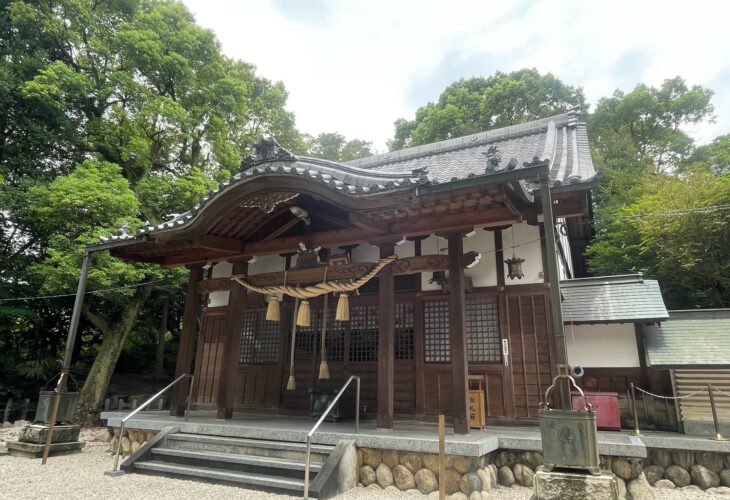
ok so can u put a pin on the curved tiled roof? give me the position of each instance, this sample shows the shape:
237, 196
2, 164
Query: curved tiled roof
351, 180
560, 139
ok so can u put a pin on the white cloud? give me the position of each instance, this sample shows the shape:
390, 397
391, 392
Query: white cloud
355, 67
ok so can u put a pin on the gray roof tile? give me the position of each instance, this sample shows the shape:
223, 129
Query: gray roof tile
690, 338
612, 299
561, 139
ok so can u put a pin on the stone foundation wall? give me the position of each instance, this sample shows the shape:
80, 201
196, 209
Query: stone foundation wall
410, 471
132, 440
676, 469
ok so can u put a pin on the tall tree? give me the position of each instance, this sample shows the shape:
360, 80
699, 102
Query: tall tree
335, 146
478, 104
642, 152
118, 113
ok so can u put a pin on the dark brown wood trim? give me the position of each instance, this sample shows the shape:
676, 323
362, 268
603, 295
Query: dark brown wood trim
419, 355
507, 379
499, 257
457, 323
386, 334
225, 396
186, 349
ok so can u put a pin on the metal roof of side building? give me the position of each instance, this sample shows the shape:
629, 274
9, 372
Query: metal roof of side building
612, 299
690, 339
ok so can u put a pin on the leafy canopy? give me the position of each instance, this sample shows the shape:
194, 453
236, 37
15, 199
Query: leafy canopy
478, 104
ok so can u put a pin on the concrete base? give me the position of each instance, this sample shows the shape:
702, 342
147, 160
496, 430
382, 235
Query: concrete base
36, 433
575, 486
31, 450
114, 473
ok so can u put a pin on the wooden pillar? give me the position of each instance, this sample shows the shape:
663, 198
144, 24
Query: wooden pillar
561, 350
186, 349
236, 298
457, 323
386, 334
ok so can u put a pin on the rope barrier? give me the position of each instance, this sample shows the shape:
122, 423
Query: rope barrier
669, 397
721, 392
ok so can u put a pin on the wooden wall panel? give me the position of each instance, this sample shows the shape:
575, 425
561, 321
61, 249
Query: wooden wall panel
530, 338
209, 356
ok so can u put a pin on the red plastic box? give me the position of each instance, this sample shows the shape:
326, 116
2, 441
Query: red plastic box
605, 404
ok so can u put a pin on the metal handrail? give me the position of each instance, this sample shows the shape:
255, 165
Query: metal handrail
321, 419
146, 404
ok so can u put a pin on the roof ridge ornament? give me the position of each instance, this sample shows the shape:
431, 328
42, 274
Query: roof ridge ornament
267, 150
494, 159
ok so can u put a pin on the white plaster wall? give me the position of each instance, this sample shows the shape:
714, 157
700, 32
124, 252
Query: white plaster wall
484, 273
220, 298
266, 264
602, 346
365, 253
405, 249
528, 237
432, 245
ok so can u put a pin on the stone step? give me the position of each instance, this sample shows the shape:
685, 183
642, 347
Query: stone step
201, 457
225, 444
248, 478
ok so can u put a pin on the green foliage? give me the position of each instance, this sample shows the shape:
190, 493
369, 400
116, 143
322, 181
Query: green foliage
478, 104
667, 233
646, 124
649, 166
334, 146
716, 154
113, 113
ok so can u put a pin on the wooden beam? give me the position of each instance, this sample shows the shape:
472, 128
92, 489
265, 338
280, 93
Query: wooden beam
433, 224
406, 265
236, 299
282, 229
368, 225
351, 236
499, 257
219, 243
331, 218
386, 337
186, 349
457, 326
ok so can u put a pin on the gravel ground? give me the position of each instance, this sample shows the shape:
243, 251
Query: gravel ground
81, 476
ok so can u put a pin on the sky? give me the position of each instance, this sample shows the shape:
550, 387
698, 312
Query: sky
355, 66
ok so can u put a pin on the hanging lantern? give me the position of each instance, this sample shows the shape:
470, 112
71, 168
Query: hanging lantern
273, 311
514, 265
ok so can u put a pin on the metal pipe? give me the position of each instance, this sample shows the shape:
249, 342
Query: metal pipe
190, 398
306, 468
145, 405
718, 435
321, 419
561, 351
357, 407
633, 403
70, 341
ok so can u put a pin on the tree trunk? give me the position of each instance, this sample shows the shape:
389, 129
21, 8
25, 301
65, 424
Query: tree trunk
113, 337
160, 354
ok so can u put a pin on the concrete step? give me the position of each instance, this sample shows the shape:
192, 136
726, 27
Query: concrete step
232, 460
243, 446
247, 478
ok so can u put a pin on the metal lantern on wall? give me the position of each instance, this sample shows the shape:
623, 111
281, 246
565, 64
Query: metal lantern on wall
514, 265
